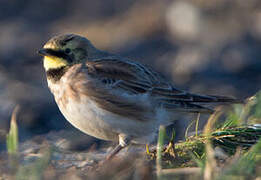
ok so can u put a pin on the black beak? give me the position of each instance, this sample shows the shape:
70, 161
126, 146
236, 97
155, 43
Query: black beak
45, 52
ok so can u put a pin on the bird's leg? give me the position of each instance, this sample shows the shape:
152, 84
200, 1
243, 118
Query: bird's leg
114, 152
123, 142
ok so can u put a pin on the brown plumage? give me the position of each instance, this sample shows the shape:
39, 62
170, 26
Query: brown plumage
111, 97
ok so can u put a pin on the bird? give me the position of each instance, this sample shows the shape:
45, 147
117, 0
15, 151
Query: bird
111, 97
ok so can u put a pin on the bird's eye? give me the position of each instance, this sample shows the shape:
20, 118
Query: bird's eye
67, 51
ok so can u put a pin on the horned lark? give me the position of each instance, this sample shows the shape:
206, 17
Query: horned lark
111, 97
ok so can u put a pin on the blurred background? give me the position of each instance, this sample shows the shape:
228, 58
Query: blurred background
202, 46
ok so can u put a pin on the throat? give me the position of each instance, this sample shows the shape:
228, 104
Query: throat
55, 74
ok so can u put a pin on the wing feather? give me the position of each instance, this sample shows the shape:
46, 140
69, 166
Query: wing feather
107, 98
135, 79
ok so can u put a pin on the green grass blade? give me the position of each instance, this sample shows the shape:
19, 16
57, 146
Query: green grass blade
12, 136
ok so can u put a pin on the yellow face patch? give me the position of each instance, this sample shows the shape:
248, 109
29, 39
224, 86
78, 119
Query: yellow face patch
53, 62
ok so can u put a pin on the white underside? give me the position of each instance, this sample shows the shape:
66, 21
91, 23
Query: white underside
95, 121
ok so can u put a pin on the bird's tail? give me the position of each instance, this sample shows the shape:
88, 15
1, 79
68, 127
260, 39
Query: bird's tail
217, 99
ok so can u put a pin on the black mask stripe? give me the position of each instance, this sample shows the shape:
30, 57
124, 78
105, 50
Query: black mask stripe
59, 53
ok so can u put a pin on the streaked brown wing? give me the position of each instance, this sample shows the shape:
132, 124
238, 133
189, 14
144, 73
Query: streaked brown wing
137, 79
130, 76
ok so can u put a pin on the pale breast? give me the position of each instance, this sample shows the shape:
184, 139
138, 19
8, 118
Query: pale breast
86, 115
82, 113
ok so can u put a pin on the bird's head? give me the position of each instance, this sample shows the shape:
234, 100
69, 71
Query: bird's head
65, 50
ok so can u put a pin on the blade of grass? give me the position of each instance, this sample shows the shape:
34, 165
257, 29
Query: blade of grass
161, 137
12, 142
186, 132
12, 136
210, 171
197, 121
